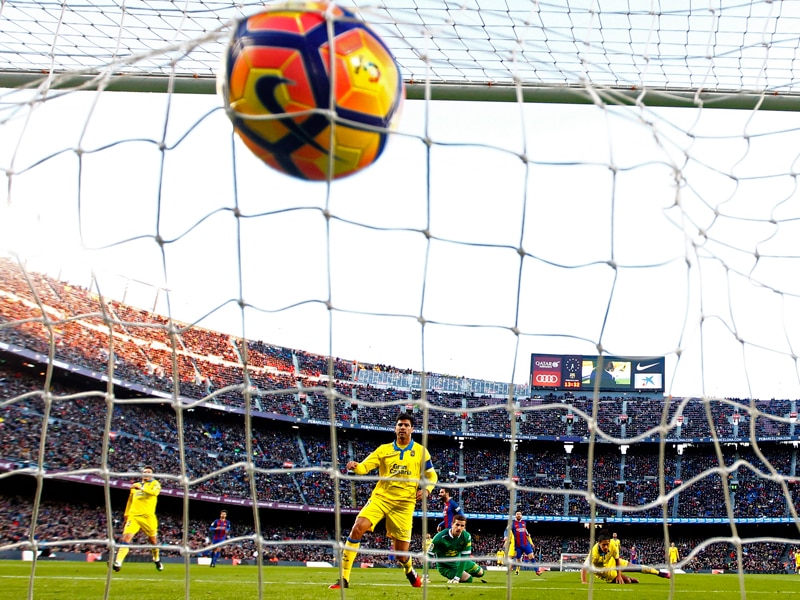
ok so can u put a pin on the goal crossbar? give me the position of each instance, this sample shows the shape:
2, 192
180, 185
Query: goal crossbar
553, 53
435, 91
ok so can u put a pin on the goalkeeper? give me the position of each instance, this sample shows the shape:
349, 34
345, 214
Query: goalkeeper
452, 548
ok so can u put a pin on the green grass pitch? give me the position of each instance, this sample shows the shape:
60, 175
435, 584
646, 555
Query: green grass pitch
79, 581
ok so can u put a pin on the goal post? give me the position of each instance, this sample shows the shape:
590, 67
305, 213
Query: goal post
572, 561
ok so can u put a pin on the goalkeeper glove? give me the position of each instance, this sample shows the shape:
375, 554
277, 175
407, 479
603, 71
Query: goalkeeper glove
454, 580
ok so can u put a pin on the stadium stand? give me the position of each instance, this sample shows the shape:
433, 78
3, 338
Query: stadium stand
289, 392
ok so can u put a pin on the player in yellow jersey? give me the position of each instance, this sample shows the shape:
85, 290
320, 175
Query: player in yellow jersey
604, 560
501, 556
797, 561
401, 465
508, 546
674, 555
140, 514
615, 543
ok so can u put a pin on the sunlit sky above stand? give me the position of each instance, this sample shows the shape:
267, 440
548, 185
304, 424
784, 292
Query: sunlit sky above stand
578, 188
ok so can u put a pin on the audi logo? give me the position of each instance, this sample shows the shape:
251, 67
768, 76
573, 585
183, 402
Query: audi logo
545, 378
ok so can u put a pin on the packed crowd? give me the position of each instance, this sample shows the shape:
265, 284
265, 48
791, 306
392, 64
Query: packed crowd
65, 526
290, 382
551, 480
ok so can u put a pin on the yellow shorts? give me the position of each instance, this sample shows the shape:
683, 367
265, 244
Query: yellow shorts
611, 576
399, 517
148, 524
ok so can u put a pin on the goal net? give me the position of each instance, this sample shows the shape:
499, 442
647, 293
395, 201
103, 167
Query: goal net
567, 180
571, 561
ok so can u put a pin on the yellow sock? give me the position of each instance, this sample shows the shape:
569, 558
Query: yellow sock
649, 571
156, 554
349, 556
407, 565
122, 553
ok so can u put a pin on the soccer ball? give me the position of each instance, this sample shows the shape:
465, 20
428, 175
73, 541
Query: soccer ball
278, 85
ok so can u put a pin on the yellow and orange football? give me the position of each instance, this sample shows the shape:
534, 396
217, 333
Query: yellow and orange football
311, 90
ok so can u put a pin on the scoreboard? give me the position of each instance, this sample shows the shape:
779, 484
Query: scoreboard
580, 372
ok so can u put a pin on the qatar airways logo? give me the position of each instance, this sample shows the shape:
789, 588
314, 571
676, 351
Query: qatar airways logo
548, 363
545, 378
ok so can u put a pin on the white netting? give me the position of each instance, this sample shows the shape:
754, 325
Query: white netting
214, 291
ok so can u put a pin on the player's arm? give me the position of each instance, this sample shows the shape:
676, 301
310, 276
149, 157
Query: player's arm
466, 553
620, 574
134, 488
586, 566
128, 505
459, 567
151, 488
370, 463
613, 550
431, 477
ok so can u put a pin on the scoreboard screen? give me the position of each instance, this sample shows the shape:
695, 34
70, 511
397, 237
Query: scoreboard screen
614, 373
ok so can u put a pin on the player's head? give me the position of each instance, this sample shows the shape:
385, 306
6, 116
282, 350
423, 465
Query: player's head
147, 473
405, 416
604, 540
459, 525
403, 427
614, 535
518, 515
223, 514
444, 493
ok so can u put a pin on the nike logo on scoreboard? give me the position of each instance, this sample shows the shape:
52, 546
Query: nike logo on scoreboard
641, 367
